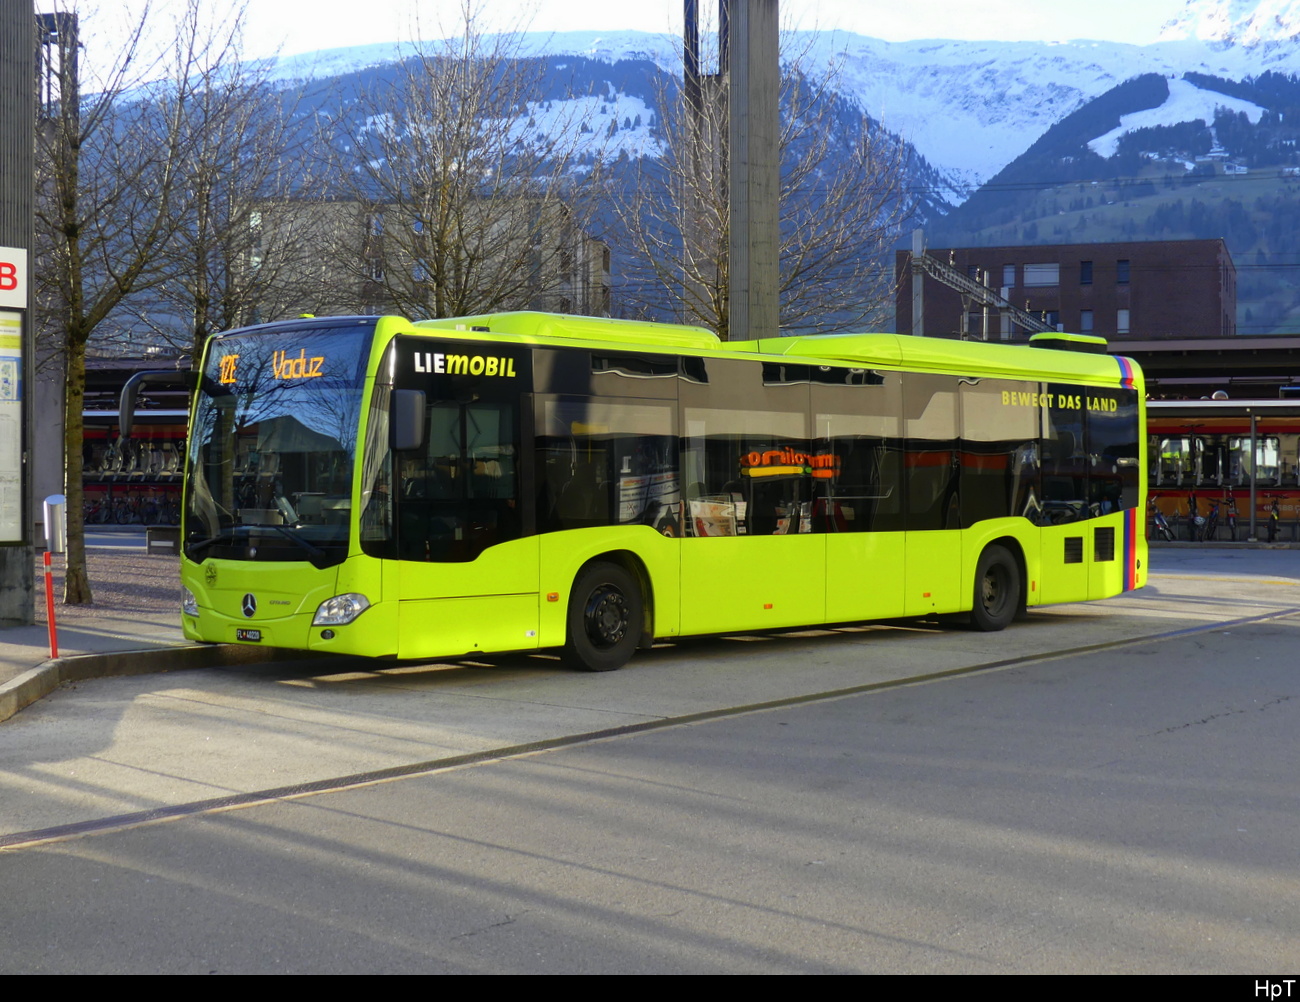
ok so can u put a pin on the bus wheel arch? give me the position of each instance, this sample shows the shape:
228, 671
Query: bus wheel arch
998, 592
609, 614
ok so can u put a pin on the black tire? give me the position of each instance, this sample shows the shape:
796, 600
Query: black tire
997, 590
605, 619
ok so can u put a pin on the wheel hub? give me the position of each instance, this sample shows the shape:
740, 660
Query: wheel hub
606, 616
992, 591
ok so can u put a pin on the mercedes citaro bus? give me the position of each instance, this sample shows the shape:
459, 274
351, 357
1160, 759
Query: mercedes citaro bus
517, 481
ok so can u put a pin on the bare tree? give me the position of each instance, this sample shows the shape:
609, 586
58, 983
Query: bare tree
242, 151
112, 191
843, 199
470, 186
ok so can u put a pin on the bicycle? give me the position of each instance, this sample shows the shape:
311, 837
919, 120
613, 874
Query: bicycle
1195, 523
1160, 523
1210, 532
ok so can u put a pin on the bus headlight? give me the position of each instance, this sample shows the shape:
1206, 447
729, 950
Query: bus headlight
340, 610
189, 604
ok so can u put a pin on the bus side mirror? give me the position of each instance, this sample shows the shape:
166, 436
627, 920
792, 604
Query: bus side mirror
406, 420
184, 379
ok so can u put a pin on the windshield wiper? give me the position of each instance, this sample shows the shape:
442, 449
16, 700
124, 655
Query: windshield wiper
314, 553
318, 557
224, 536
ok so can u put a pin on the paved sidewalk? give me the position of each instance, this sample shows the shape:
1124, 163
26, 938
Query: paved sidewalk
133, 627
137, 607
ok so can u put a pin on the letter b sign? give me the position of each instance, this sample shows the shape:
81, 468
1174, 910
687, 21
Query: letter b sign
13, 278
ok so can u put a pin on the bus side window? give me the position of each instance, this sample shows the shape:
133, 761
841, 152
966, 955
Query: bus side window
931, 459
1113, 472
1000, 429
607, 462
857, 476
1064, 497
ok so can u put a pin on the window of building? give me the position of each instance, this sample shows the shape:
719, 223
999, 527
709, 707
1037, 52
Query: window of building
1085, 273
1121, 321
1085, 321
1121, 272
1042, 274
1009, 275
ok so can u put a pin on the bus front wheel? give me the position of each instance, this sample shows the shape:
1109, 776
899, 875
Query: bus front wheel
605, 618
997, 590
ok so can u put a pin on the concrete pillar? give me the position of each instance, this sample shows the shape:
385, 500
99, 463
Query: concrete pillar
755, 169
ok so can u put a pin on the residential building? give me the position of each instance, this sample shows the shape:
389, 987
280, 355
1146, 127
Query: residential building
1148, 290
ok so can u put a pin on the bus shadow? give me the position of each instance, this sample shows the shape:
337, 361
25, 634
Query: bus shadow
548, 663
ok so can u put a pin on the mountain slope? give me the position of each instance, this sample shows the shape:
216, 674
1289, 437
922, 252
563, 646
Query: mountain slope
1197, 157
969, 108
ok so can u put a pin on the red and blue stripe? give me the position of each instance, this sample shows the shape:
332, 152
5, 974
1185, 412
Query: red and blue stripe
1127, 378
1133, 525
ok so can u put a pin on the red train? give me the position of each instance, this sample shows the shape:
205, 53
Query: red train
137, 481
1200, 457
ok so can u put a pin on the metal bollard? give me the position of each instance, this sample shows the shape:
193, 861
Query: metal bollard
56, 541
56, 523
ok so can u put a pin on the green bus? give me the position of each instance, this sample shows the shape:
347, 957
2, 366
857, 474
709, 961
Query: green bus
521, 481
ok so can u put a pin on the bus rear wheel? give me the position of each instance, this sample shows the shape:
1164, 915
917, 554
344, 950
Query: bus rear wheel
605, 618
997, 590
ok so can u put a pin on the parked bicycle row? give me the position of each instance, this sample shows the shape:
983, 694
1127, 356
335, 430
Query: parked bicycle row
152, 508
1203, 520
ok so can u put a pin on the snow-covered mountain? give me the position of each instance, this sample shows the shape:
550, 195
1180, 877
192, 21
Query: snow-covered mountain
969, 108
1245, 23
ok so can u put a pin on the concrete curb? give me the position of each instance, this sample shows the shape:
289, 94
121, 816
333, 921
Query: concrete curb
1186, 544
31, 685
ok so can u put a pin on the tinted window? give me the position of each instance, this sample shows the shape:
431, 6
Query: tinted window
999, 449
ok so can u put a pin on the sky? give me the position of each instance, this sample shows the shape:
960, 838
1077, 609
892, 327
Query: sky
293, 26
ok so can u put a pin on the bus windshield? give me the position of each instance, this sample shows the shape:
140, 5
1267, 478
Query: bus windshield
273, 444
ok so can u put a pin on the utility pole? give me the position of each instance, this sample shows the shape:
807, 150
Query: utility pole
747, 86
755, 169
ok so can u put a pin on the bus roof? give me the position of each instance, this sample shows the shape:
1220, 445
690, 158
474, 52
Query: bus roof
894, 351
927, 354
529, 323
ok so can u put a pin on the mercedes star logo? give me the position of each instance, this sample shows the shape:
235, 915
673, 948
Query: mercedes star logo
250, 605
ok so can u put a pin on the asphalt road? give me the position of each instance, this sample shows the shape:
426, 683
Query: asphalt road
1128, 808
